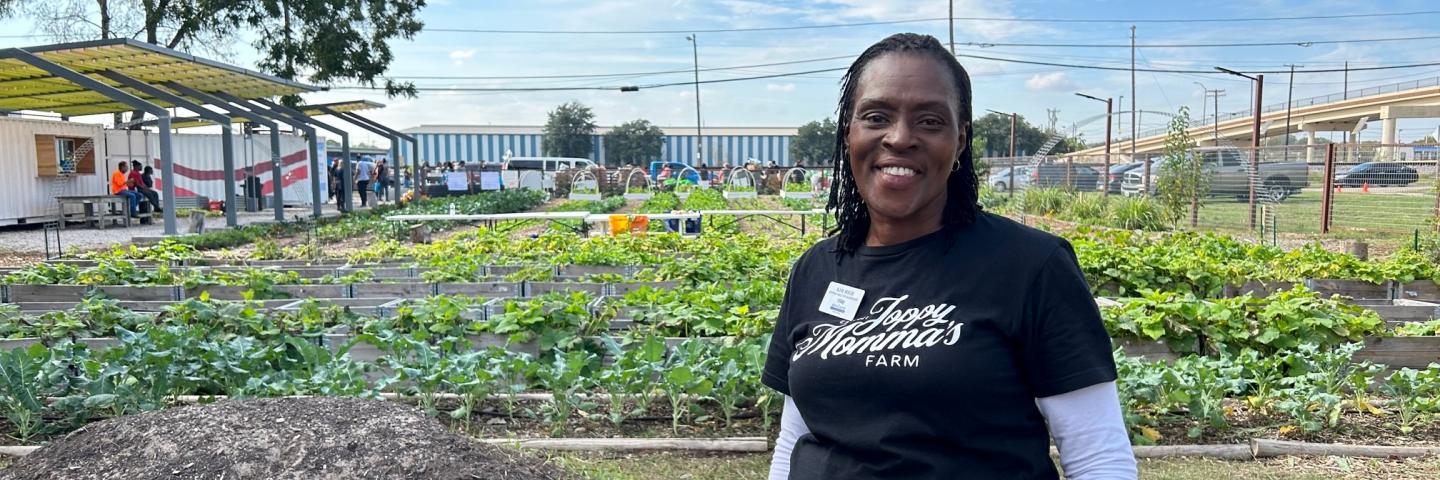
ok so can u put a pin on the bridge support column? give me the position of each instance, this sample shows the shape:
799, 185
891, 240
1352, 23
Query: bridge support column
1309, 146
1388, 137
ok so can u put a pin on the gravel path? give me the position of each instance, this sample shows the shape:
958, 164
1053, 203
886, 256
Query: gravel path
29, 240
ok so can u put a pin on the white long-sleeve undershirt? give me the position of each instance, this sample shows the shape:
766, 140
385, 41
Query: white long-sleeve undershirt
1086, 425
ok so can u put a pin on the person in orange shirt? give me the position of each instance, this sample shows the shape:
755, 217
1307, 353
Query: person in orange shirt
119, 181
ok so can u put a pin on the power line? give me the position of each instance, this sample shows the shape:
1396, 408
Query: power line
837, 69
603, 75
1303, 43
924, 20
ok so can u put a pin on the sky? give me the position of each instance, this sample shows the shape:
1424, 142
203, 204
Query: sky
790, 101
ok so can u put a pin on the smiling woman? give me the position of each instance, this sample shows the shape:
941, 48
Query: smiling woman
927, 338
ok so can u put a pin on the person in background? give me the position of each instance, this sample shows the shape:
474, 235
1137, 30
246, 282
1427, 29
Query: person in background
136, 182
147, 180
364, 169
334, 175
119, 185
382, 178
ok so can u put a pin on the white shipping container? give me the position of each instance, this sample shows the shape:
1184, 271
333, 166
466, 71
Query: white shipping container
30, 198
199, 162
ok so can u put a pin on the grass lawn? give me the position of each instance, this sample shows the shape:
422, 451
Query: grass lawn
755, 466
1378, 213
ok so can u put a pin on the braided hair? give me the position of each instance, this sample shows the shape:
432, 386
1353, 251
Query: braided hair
962, 188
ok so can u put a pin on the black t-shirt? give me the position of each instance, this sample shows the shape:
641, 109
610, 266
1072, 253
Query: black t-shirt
957, 333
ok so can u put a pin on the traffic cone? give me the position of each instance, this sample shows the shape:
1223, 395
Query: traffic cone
1339, 189
1365, 187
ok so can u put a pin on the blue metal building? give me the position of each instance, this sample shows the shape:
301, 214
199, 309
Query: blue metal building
487, 143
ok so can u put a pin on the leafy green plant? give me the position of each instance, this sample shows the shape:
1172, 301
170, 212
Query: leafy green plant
1043, 201
1138, 214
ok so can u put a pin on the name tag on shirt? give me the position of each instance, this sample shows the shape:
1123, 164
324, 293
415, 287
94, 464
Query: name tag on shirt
841, 301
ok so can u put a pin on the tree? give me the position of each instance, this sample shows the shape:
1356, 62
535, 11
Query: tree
636, 142
568, 130
322, 41
814, 144
995, 129
1182, 179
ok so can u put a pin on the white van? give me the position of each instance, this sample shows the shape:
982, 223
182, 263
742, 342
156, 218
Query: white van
538, 172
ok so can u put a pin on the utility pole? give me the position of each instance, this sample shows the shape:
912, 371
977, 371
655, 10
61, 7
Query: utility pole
952, 27
1010, 188
1217, 92
1134, 108
1254, 136
1109, 111
1289, 99
1345, 95
699, 136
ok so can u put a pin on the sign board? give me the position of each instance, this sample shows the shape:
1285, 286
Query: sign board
457, 181
489, 181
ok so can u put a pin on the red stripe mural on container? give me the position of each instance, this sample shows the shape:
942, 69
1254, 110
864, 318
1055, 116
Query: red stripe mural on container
298, 174
262, 169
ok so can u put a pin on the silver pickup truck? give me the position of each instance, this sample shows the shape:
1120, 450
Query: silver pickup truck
1229, 170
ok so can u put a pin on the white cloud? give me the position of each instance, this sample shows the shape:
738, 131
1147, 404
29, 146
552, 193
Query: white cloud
1050, 81
460, 56
780, 87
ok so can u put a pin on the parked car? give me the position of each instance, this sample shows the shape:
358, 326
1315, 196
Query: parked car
1229, 171
1000, 180
1076, 177
1377, 174
1117, 174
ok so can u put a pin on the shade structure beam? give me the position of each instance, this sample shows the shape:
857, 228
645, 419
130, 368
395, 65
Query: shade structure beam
167, 169
226, 142
235, 109
395, 137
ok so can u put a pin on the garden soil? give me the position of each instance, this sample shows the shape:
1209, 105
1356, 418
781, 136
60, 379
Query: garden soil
277, 439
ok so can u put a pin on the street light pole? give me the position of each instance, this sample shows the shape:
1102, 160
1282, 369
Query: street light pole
1105, 174
699, 136
1254, 136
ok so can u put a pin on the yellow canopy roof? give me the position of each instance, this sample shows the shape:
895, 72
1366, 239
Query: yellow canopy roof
25, 87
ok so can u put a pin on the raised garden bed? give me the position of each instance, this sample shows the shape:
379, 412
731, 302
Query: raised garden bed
233, 292
1401, 311
535, 289
392, 290
481, 289
1356, 289
1423, 290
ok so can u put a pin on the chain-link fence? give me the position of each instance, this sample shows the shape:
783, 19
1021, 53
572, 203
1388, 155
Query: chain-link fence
1351, 190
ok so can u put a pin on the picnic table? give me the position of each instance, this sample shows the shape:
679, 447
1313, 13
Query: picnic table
112, 207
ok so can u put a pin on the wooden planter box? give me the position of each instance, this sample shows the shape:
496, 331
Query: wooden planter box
638, 196
100, 343
620, 289
1147, 349
46, 293
376, 307
803, 195
1401, 311
535, 289
1356, 289
141, 294
1257, 288
392, 290
1397, 352
735, 195
1423, 290
503, 270
236, 292
583, 270
481, 289
379, 271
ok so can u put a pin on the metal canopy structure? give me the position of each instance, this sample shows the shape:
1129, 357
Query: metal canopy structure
121, 75
346, 111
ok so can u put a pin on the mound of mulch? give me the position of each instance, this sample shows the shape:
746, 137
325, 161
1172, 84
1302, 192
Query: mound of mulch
277, 439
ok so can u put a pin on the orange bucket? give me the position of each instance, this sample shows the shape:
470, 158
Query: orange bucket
639, 225
619, 224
